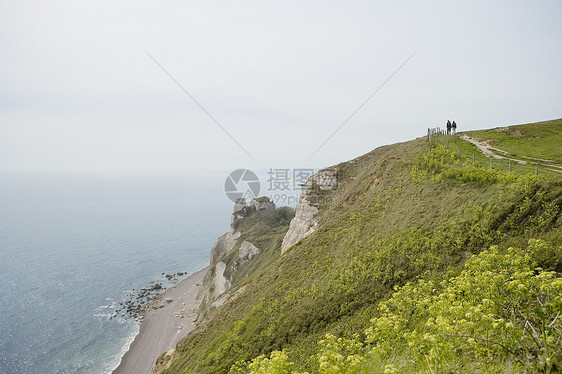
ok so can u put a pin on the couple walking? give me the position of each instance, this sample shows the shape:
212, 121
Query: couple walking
451, 127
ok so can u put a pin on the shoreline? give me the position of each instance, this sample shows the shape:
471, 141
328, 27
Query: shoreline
167, 320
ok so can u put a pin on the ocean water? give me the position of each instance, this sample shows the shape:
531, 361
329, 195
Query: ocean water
72, 246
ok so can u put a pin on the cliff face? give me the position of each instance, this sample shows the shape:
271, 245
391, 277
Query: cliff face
255, 234
305, 222
390, 221
234, 254
215, 283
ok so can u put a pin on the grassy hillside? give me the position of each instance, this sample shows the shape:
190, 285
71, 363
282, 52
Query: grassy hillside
521, 147
537, 140
410, 212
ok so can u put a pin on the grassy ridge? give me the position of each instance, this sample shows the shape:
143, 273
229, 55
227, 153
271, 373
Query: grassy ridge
398, 215
521, 143
538, 140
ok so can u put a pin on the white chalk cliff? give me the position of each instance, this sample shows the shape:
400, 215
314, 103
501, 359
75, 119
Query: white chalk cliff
305, 222
218, 282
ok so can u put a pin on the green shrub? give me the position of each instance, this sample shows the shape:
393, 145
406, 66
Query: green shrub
440, 163
500, 310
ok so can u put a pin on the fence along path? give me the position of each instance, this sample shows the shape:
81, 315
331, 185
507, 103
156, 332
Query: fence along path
493, 152
490, 151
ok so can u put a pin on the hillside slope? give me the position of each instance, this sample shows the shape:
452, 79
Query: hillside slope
402, 213
534, 141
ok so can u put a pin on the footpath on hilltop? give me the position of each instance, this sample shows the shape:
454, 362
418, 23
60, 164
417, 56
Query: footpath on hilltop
425, 256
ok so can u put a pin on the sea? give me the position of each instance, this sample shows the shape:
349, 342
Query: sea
73, 246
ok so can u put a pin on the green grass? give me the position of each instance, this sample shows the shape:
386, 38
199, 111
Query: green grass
384, 226
500, 312
539, 140
469, 152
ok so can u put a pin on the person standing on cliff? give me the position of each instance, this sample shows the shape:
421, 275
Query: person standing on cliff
448, 127
454, 127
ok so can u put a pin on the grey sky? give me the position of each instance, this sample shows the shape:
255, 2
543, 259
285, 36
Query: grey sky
79, 94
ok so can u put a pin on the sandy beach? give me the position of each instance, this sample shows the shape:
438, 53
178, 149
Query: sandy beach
163, 327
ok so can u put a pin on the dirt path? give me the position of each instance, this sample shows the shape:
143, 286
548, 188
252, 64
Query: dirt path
490, 151
162, 328
487, 149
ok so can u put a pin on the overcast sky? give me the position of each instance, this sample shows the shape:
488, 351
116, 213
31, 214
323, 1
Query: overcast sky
79, 93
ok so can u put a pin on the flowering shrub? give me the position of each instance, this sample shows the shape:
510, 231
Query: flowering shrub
441, 163
277, 363
431, 164
339, 355
499, 312
499, 308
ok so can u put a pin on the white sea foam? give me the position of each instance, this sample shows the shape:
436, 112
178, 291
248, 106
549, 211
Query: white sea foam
116, 360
